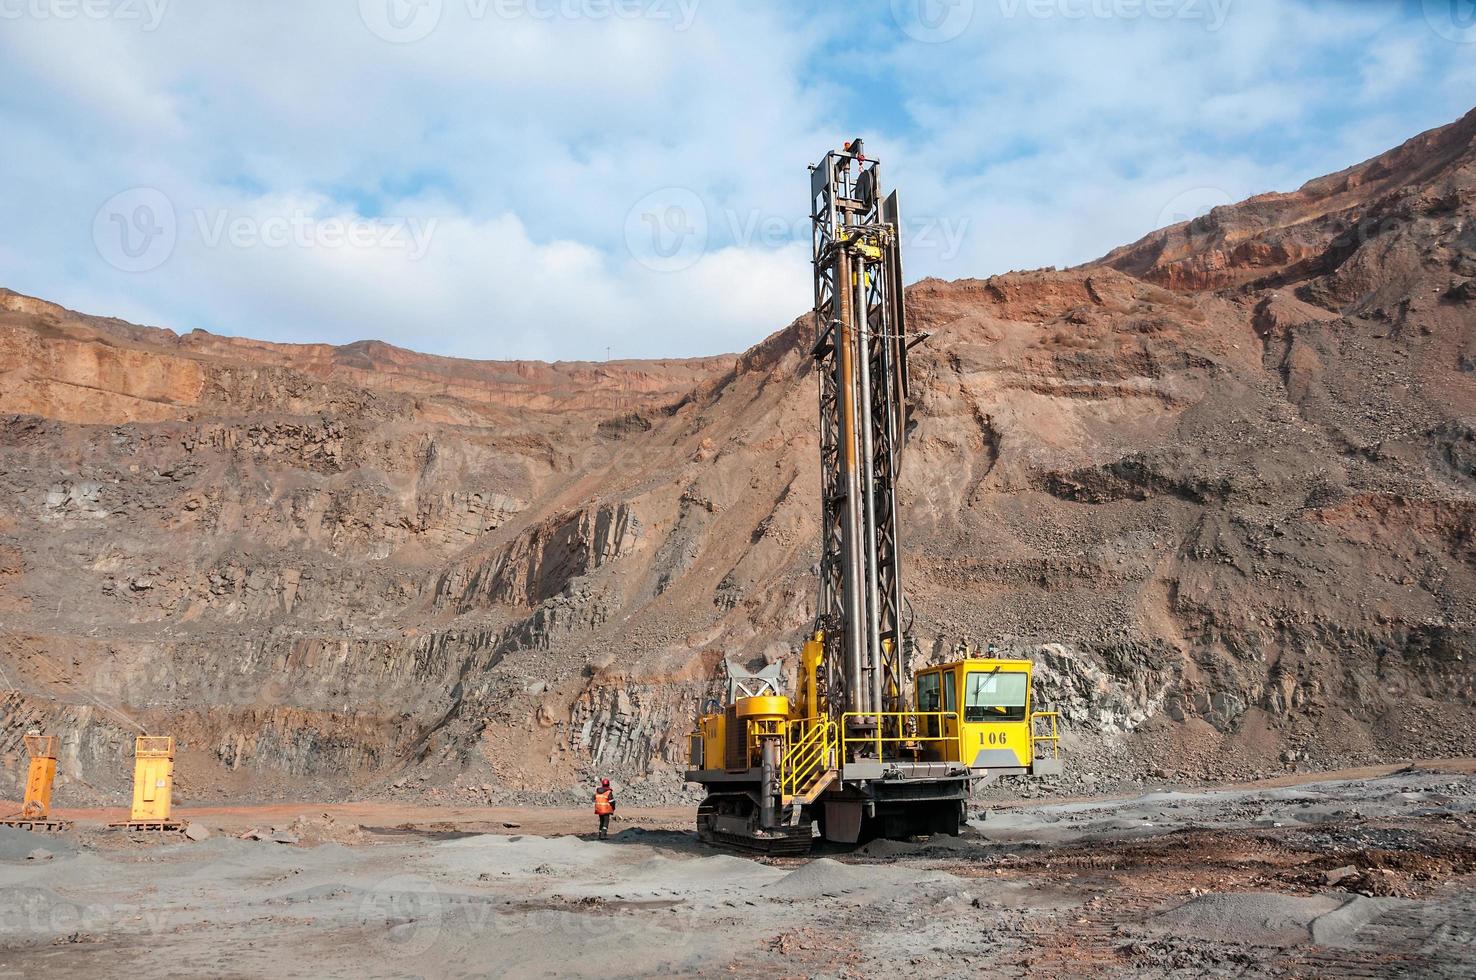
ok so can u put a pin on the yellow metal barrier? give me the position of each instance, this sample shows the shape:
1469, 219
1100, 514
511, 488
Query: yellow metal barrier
903, 717
1053, 735
811, 750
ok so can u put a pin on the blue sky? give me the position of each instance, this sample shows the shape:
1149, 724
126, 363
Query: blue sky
555, 178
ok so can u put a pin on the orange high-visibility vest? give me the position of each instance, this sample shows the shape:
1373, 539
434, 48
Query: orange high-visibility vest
602, 803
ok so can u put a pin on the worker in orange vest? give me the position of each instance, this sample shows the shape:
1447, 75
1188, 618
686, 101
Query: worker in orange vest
604, 806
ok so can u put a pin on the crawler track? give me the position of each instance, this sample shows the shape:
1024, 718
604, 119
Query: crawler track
786, 842
790, 845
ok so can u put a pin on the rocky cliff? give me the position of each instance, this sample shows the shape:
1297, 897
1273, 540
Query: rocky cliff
1221, 483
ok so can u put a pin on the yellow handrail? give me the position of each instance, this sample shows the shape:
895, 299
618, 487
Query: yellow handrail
877, 740
1054, 737
807, 755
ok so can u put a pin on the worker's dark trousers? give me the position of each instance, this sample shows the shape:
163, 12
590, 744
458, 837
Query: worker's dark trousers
604, 825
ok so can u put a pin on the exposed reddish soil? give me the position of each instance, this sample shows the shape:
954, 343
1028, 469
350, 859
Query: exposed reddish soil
1220, 483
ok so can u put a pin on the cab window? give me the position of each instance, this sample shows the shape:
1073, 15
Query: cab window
927, 700
996, 696
927, 692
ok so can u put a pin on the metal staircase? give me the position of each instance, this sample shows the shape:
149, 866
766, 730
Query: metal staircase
809, 766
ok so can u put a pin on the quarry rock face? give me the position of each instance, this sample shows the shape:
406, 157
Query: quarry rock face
1221, 483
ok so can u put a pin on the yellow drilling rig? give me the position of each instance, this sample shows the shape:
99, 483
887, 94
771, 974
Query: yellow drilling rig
862, 750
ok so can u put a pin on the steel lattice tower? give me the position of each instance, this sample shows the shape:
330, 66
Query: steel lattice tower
861, 358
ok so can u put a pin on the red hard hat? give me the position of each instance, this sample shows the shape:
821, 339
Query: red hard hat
605, 781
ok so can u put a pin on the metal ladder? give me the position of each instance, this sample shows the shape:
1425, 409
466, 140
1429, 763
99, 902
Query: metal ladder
809, 765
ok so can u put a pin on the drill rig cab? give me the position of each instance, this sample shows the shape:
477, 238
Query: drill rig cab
986, 709
848, 757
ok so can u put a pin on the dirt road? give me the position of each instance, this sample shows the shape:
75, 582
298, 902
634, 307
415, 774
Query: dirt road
1370, 875
543, 821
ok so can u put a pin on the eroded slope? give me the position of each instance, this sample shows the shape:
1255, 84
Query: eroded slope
1221, 482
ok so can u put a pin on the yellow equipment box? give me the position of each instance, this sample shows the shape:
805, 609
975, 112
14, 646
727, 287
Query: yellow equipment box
35, 812
153, 779
40, 777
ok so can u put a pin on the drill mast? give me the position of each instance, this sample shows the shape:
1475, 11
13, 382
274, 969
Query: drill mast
861, 358
847, 759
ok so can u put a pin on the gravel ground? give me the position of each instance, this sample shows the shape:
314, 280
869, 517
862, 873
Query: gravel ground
1363, 876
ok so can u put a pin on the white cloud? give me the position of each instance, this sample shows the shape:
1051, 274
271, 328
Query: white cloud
526, 142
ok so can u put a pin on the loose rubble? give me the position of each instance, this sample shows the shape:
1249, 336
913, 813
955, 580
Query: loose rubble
1353, 876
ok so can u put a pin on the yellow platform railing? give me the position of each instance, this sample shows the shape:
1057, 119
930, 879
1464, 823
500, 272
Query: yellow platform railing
1052, 734
907, 726
811, 750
